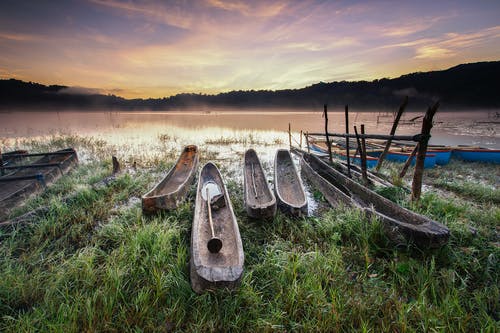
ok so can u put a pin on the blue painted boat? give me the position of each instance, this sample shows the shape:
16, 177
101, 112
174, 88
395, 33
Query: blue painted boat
429, 162
477, 155
371, 161
442, 155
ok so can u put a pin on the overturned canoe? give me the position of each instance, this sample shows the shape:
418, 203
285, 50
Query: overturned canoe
21, 181
288, 186
216, 249
399, 221
173, 189
259, 199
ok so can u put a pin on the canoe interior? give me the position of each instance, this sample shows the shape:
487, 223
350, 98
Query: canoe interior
340, 189
259, 199
13, 193
288, 186
173, 188
224, 268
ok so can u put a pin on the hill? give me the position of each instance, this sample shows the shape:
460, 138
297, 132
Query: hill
464, 86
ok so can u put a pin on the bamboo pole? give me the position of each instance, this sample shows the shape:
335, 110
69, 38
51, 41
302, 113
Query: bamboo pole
328, 143
347, 141
393, 131
416, 186
415, 138
363, 155
408, 162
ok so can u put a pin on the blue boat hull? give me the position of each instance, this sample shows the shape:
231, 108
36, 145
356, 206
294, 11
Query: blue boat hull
478, 155
370, 162
429, 162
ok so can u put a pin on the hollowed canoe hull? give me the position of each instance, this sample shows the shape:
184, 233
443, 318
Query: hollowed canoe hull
288, 186
398, 221
172, 190
13, 193
260, 202
225, 268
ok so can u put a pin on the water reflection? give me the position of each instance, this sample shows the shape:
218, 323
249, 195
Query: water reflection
451, 128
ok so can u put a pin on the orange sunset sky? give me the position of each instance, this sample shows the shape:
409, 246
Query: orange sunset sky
160, 48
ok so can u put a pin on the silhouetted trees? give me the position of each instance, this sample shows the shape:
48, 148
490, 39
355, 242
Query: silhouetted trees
463, 86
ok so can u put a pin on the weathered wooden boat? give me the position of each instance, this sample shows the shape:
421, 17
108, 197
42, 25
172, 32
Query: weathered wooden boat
22, 181
216, 249
288, 186
477, 155
173, 189
259, 199
373, 178
398, 221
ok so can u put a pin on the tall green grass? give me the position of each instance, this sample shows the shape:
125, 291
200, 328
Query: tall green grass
95, 263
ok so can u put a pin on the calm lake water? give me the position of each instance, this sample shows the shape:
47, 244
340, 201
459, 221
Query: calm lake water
224, 136
479, 128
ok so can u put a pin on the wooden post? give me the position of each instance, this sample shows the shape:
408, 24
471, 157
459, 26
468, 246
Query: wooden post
365, 179
393, 131
347, 141
363, 155
2, 172
116, 165
416, 185
300, 143
328, 143
307, 142
408, 161
290, 135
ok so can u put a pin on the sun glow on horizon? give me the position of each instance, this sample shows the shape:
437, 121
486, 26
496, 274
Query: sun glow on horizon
157, 49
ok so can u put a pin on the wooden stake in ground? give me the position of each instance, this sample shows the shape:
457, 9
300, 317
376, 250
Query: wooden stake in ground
328, 143
300, 143
307, 143
347, 140
363, 155
2, 172
416, 185
116, 165
393, 131
290, 135
408, 162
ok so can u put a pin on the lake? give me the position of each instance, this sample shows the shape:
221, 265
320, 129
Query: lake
479, 128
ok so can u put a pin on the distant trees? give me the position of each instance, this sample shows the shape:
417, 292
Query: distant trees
468, 86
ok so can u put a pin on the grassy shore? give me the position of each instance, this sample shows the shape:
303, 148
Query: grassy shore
95, 263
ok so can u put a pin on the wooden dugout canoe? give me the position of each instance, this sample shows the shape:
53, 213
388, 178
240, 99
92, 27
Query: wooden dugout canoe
259, 199
222, 269
173, 188
288, 186
22, 181
339, 189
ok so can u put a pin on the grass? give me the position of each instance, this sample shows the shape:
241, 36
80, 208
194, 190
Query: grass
95, 263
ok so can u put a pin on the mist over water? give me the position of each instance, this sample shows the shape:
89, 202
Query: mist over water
479, 128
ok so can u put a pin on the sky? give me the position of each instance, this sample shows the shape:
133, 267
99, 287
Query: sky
140, 49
